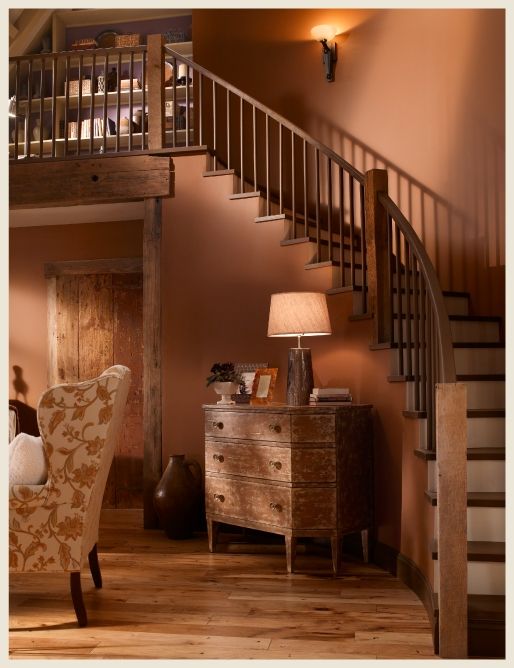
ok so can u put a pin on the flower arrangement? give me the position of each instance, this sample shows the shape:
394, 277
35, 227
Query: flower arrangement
224, 372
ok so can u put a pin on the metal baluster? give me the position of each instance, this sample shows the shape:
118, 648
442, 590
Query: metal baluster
351, 183
341, 223
118, 104
254, 148
430, 378
92, 107
143, 98
329, 211
105, 120
280, 166
318, 230
228, 129
305, 207
397, 243
417, 377
131, 98
363, 252
267, 167
54, 103
241, 142
188, 109
390, 276
79, 108
66, 104
293, 188
214, 125
422, 343
28, 123
17, 108
41, 105
408, 304
174, 105
200, 110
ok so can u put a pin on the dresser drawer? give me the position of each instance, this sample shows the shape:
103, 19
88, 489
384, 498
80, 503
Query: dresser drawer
313, 428
263, 426
284, 507
261, 460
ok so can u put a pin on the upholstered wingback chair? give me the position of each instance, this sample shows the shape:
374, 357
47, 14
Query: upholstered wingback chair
54, 526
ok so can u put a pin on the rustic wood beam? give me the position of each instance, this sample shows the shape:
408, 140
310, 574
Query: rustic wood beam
120, 265
156, 94
377, 254
452, 521
30, 30
90, 181
152, 389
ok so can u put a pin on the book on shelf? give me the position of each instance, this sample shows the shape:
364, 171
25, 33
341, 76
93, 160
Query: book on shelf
330, 398
330, 391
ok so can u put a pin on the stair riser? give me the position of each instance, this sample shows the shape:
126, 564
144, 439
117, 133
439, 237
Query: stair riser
481, 394
486, 394
454, 305
479, 360
483, 476
486, 524
483, 578
481, 432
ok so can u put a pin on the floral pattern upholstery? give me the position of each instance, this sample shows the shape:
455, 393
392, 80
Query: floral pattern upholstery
53, 527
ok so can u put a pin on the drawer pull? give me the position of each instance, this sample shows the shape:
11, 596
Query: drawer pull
219, 497
275, 465
217, 425
275, 428
218, 458
276, 507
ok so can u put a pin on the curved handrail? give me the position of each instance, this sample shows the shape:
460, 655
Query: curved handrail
358, 176
432, 282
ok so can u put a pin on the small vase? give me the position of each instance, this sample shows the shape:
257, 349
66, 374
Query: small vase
177, 496
226, 390
36, 131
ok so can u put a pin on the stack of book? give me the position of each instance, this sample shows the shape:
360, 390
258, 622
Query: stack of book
336, 395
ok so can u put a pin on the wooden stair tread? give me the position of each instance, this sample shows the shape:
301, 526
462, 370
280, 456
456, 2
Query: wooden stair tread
312, 240
219, 172
470, 413
478, 344
478, 551
247, 195
466, 377
321, 265
476, 499
484, 453
489, 607
265, 219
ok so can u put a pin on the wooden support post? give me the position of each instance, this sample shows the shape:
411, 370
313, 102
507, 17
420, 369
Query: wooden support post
452, 519
152, 390
375, 181
155, 79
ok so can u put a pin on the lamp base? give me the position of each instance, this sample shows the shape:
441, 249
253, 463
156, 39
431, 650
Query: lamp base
299, 376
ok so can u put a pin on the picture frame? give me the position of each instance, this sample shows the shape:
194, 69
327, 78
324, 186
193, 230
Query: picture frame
247, 371
263, 385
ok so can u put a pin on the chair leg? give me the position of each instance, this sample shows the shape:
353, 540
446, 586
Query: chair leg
76, 597
95, 567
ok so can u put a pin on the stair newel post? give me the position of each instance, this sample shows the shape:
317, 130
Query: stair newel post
156, 93
451, 402
377, 260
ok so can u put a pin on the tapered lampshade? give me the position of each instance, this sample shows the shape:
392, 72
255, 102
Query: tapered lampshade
299, 314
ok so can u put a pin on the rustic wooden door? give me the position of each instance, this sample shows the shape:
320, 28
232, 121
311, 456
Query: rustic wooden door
95, 321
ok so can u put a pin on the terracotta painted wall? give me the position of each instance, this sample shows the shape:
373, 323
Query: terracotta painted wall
29, 249
219, 269
420, 92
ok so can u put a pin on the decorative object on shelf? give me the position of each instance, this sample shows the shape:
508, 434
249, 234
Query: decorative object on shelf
85, 43
100, 83
247, 371
46, 43
263, 386
74, 86
225, 380
127, 84
125, 126
177, 496
36, 130
325, 35
105, 39
112, 80
130, 39
182, 75
171, 36
168, 72
299, 314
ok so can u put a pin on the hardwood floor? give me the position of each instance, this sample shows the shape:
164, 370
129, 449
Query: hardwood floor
165, 599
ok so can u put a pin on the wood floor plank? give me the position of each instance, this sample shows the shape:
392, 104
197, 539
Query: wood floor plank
165, 599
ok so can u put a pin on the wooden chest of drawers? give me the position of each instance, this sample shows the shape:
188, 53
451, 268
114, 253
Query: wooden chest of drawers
292, 470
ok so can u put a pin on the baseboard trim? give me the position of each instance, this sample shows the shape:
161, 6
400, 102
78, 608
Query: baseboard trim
384, 556
409, 573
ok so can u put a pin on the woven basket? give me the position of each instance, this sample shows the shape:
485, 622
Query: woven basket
74, 86
133, 39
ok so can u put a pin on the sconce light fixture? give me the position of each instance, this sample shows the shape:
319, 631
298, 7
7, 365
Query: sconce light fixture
325, 34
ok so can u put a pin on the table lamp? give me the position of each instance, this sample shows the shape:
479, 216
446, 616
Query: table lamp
299, 314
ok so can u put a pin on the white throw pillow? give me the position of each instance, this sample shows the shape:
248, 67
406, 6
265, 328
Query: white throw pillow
27, 463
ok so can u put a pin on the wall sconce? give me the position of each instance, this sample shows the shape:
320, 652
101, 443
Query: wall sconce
299, 314
325, 34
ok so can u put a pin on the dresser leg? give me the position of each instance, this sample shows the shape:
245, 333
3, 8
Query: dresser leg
290, 553
365, 545
212, 534
335, 542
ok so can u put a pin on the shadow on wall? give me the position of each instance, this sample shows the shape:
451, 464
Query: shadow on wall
27, 416
476, 236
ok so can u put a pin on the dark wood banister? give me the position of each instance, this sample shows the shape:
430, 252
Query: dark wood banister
436, 296
272, 114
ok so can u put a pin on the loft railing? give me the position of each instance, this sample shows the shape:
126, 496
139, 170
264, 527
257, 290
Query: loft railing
348, 217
